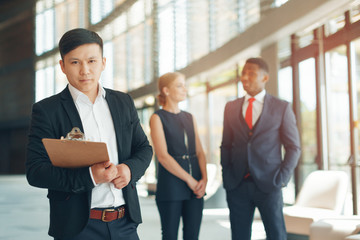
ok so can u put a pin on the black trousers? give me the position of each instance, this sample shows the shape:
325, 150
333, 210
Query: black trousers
170, 213
120, 229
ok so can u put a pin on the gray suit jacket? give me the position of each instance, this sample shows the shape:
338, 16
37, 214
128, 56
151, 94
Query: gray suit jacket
69, 190
262, 151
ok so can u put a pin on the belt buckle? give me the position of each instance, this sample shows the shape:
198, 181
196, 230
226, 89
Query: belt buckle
121, 212
104, 214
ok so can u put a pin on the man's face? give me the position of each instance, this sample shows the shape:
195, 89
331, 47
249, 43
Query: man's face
253, 79
83, 67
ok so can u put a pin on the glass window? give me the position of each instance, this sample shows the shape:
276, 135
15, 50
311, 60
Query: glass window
355, 13
337, 106
107, 77
148, 51
100, 9
307, 81
225, 17
198, 13
136, 55
44, 84
285, 84
217, 101
198, 106
355, 51
136, 13
305, 38
284, 48
45, 31
181, 36
120, 59
334, 24
119, 25
278, 3
249, 13
166, 40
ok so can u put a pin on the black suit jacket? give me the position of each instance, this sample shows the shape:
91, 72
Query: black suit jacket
260, 151
69, 190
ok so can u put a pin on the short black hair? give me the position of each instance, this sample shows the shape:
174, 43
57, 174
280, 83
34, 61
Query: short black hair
260, 62
77, 37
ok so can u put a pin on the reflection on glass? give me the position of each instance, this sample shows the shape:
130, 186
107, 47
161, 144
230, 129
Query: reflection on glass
337, 106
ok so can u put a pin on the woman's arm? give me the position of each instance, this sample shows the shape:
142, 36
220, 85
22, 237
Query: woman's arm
201, 187
165, 159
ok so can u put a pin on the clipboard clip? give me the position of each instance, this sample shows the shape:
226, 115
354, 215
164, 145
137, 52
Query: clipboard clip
75, 134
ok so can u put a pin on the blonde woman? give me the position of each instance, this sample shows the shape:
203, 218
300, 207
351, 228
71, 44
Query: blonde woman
182, 176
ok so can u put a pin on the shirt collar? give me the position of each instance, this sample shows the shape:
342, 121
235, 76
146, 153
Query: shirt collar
258, 97
76, 94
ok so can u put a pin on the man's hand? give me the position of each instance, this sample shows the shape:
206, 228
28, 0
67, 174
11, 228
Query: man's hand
104, 172
123, 176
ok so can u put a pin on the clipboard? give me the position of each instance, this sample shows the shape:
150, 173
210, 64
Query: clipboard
73, 154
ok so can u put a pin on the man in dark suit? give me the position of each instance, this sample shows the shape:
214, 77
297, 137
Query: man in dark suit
256, 127
99, 201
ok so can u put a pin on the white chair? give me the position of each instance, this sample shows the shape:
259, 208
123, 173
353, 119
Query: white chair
353, 237
322, 196
335, 228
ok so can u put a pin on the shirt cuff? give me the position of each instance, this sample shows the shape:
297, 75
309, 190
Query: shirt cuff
92, 177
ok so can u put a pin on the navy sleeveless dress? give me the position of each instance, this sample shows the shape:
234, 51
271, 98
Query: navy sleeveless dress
180, 140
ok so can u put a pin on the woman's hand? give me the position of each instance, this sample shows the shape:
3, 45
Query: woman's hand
200, 188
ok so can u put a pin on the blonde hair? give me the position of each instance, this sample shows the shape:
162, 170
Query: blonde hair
164, 81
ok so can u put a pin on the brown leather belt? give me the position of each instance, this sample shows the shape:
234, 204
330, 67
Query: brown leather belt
108, 215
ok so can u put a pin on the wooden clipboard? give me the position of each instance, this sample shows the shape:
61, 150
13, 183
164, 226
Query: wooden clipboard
73, 154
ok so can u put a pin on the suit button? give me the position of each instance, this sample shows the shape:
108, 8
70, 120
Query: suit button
250, 134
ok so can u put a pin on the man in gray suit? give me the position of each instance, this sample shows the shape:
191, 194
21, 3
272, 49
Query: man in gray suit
256, 127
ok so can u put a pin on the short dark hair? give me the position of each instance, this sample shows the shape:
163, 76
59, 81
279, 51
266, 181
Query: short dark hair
260, 62
77, 37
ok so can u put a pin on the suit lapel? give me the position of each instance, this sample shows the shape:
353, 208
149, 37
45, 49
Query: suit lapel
239, 118
115, 114
70, 109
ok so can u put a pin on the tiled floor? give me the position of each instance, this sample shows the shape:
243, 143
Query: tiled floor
24, 214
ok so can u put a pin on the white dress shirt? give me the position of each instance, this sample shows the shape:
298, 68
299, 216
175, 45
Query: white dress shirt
257, 105
99, 127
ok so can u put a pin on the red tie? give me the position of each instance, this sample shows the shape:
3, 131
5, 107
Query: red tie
248, 114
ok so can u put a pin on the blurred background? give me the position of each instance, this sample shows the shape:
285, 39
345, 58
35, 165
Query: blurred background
312, 47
